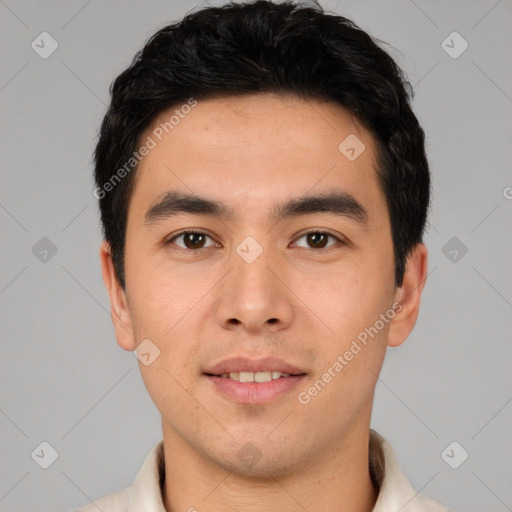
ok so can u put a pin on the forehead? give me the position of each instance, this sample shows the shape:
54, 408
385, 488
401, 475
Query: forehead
254, 151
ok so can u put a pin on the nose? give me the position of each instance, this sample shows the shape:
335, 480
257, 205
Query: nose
254, 296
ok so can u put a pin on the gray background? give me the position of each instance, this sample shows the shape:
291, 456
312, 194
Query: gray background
64, 378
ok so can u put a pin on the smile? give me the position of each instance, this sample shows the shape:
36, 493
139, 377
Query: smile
254, 376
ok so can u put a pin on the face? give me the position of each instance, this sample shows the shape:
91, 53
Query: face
261, 273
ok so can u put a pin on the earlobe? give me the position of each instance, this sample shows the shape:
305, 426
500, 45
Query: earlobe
119, 310
409, 295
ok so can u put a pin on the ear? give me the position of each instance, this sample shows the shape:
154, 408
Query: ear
407, 296
119, 310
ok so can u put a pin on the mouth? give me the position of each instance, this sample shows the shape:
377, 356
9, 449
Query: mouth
264, 376
254, 382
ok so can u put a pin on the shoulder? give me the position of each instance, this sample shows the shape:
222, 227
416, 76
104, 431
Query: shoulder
143, 494
421, 503
395, 491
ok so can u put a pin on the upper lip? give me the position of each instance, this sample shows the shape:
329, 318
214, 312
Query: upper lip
244, 364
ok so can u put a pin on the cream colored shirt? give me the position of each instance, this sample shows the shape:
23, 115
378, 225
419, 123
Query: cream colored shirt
395, 492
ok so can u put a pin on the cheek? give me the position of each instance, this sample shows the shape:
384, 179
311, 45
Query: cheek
161, 298
350, 300
350, 357
168, 318
167, 388
354, 347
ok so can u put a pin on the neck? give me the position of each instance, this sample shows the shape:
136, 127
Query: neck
336, 479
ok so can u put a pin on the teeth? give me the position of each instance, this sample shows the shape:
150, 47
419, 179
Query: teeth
263, 376
246, 376
254, 376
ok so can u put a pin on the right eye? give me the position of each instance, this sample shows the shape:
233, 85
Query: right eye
192, 240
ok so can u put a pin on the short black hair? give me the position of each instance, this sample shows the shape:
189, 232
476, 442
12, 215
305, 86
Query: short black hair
264, 47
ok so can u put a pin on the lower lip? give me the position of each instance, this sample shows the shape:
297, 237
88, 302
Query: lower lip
255, 393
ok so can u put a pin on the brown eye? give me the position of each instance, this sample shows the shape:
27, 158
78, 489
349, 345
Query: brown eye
317, 239
191, 240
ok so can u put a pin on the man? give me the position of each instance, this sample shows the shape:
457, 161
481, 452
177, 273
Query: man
263, 189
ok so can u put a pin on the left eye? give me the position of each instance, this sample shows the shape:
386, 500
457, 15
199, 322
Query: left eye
192, 240
318, 239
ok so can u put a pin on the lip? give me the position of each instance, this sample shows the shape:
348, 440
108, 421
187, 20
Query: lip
244, 364
254, 393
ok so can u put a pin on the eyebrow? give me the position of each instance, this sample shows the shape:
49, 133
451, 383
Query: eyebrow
337, 203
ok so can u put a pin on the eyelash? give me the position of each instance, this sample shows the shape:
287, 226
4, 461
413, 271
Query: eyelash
188, 232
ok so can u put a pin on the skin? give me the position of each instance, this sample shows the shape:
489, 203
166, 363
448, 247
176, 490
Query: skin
253, 152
